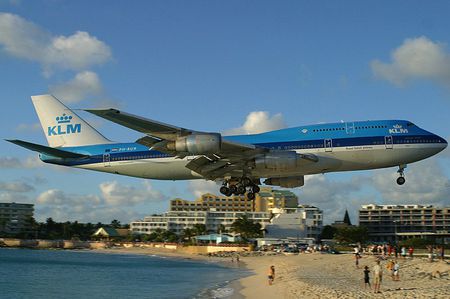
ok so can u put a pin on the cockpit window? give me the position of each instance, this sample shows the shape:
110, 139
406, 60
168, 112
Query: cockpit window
409, 124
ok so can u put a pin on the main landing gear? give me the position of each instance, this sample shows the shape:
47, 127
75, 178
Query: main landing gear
401, 179
242, 186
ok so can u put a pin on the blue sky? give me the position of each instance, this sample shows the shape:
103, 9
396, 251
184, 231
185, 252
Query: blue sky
210, 65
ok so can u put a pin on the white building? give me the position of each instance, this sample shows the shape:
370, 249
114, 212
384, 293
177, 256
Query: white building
303, 222
177, 221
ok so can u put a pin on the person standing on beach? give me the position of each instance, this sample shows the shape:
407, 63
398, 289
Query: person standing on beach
366, 277
396, 276
271, 275
411, 251
378, 276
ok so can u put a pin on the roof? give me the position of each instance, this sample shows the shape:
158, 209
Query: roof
111, 232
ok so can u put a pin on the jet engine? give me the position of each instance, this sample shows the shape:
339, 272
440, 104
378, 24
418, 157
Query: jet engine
282, 160
287, 182
197, 144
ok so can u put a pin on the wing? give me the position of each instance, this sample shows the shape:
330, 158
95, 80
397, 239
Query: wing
230, 159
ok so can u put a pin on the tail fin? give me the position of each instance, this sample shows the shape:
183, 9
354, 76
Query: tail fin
62, 126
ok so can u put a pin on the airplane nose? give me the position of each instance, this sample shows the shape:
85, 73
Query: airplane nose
443, 143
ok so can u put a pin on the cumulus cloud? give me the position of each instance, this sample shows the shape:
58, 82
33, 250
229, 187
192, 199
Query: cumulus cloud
29, 127
258, 122
416, 58
82, 85
24, 39
426, 183
333, 197
119, 194
16, 186
115, 202
13, 162
200, 187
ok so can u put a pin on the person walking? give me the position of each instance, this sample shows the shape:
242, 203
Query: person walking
271, 275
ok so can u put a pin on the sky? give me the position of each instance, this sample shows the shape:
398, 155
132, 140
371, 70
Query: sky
223, 66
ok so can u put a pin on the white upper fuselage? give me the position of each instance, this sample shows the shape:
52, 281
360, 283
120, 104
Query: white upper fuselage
338, 146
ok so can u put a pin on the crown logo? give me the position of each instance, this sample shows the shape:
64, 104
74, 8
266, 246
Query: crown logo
397, 126
63, 119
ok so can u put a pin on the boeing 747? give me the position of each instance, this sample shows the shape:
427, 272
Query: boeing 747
241, 163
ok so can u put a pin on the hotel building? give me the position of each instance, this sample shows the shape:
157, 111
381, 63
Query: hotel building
15, 217
390, 223
177, 221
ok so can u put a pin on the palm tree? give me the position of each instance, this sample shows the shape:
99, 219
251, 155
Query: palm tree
199, 229
246, 228
187, 234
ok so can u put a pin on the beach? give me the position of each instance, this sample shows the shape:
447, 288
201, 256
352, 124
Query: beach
316, 275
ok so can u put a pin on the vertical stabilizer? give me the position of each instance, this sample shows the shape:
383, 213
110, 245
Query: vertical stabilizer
63, 127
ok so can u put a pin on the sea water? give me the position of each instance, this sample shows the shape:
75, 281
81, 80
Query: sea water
26, 273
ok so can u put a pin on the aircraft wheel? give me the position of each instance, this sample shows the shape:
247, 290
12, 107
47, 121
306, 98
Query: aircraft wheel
233, 189
401, 180
246, 181
224, 190
241, 189
251, 196
255, 189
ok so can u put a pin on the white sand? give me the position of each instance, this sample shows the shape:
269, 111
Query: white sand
335, 276
318, 275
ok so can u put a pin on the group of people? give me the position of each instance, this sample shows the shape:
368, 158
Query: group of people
391, 250
392, 266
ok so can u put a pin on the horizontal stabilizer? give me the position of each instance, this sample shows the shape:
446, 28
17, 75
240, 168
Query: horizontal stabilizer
48, 150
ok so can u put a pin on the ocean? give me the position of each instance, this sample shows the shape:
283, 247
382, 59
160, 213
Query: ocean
27, 273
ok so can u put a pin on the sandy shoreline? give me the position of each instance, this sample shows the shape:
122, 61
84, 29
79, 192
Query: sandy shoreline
323, 276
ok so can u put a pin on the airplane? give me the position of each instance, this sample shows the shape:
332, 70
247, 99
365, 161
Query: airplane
281, 157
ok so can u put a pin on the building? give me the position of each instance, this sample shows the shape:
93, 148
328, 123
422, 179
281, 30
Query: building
391, 223
178, 221
268, 199
16, 217
305, 221
110, 233
210, 202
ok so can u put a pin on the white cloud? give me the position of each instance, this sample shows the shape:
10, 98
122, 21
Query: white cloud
333, 197
58, 197
13, 162
115, 193
16, 186
258, 122
82, 85
29, 127
24, 39
200, 187
426, 183
416, 58
115, 202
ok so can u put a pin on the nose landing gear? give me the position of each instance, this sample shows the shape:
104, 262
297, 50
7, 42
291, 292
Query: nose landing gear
401, 179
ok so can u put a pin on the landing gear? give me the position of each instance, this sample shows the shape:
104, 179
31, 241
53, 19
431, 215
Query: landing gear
401, 171
401, 180
240, 187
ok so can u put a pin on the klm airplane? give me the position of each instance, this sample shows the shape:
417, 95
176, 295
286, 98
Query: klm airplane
279, 158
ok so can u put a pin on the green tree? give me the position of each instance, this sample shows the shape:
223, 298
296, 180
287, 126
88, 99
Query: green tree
352, 234
199, 229
221, 229
328, 232
187, 234
246, 228
116, 223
